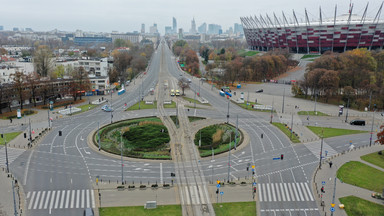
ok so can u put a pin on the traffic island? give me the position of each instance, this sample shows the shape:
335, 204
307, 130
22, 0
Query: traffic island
145, 138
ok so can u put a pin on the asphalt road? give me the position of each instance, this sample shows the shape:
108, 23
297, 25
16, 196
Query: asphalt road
58, 174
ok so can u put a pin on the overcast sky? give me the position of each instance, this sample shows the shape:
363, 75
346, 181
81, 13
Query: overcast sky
128, 15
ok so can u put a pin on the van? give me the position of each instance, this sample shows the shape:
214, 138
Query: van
88, 212
358, 122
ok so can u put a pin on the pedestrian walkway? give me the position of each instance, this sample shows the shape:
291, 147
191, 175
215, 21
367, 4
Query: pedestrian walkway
60, 199
325, 177
13, 154
192, 195
286, 192
315, 148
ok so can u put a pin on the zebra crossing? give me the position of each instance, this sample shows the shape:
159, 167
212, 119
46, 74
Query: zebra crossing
193, 195
13, 154
61, 199
286, 192
315, 147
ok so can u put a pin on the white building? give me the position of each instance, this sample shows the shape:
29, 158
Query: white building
132, 37
95, 67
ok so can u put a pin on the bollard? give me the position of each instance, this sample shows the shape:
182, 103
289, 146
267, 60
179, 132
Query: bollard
109, 181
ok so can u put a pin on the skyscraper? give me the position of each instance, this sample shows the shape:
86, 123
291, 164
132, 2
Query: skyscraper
202, 29
142, 28
193, 27
153, 29
238, 28
174, 25
214, 29
168, 30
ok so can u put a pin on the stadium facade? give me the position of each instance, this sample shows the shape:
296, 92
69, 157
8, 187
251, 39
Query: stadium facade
338, 34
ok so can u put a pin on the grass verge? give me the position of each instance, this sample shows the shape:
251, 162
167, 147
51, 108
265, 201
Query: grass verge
191, 100
140, 211
142, 106
311, 113
332, 132
13, 114
235, 208
286, 131
361, 175
195, 118
357, 206
374, 158
310, 56
244, 53
172, 105
249, 107
9, 137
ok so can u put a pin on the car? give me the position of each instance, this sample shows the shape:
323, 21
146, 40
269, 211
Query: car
104, 107
88, 212
358, 122
259, 91
108, 109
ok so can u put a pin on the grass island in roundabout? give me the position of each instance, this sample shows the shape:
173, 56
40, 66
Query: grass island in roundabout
216, 139
145, 138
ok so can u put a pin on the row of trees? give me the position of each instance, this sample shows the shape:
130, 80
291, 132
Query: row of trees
187, 56
32, 87
355, 74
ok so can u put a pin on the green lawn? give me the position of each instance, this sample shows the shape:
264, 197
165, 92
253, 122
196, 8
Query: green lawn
191, 100
361, 175
286, 131
356, 206
172, 210
244, 53
310, 56
172, 105
332, 132
142, 106
235, 208
311, 113
374, 158
9, 137
195, 118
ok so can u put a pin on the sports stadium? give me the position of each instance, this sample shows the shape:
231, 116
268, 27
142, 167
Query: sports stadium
338, 33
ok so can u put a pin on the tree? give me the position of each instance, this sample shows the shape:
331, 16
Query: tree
59, 72
121, 62
3, 51
380, 135
19, 82
81, 81
33, 82
42, 61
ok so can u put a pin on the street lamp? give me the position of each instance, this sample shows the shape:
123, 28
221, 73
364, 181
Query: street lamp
121, 154
373, 120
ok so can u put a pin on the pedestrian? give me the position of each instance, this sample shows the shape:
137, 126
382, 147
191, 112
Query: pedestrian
330, 164
89, 107
10, 120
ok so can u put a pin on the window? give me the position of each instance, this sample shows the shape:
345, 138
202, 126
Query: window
101, 81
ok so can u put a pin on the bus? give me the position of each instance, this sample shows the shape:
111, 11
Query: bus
177, 92
172, 92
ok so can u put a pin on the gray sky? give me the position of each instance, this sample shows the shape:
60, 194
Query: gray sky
127, 15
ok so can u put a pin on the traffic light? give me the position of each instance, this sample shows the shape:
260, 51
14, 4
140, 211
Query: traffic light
253, 172
281, 157
217, 191
254, 189
1, 135
322, 190
247, 168
262, 136
60, 133
173, 174
25, 135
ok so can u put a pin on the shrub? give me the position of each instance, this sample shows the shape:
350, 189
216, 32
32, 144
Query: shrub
154, 185
216, 137
143, 186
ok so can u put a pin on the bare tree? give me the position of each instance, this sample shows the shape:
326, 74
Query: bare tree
42, 61
19, 82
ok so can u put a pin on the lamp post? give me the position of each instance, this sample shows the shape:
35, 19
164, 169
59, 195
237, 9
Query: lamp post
121, 153
346, 115
6, 152
98, 134
315, 102
373, 120
229, 155
282, 109
228, 113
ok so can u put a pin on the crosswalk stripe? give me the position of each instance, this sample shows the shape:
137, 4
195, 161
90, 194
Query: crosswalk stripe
305, 194
309, 192
57, 199
187, 195
67, 200
73, 198
82, 198
31, 200
52, 199
93, 199
278, 192
28, 194
201, 195
299, 191
269, 193
273, 192
62, 199
37, 200
265, 193
196, 199
282, 192
88, 199
286, 191
78, 199
291, 192
42, 200
47, 200
260, 197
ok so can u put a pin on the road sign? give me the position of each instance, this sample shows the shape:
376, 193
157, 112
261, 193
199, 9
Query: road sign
218, 185
276, 158
332, 205
253, 166
218, 182
323, 182
221, 192
254, 183
332, 209
253, 170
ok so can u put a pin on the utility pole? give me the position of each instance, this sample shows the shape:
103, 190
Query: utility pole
229, 155
346, 115
315, 102
228, 113
321, 151
237, 129
282, 109
6, 152
49, 120
334, 192
292, 125
199, 88
248, 100
370, 99
177, 115
98, 134
139, 97
194, 99
122, 164
14, 199
373, 120
30, 132
273, 101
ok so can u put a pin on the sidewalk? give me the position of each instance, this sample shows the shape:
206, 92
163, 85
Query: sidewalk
6, 198
328, 174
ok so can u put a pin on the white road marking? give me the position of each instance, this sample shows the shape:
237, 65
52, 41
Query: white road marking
309, 192
57, 199
161, 173
282, 192
52, 199
286, 191
37, 200
67, 201
31, 200
73, 198
42, 200
47, 200
62, 199
88, 199
93, 199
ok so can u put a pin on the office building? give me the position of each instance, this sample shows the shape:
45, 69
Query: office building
202, 29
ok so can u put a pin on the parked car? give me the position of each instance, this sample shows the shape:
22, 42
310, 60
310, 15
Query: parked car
358, 122
259, 91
